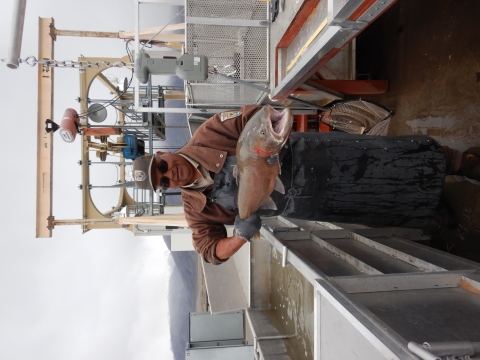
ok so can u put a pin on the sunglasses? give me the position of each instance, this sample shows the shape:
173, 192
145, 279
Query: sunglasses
163, 168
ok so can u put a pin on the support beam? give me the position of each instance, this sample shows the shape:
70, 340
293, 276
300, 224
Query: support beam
81, 33
103, 79
165, 2
151, 31
166, 219
82, 222
145, 34
16, 33
44, 139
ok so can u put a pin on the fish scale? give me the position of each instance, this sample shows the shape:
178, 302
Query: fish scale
256, 173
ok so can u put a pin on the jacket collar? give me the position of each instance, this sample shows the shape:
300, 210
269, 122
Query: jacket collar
195, 198
211, 159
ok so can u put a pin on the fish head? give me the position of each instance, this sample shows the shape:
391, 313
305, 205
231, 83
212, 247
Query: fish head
270, 130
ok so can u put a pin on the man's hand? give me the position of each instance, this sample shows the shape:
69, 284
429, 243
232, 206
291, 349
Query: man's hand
246, 229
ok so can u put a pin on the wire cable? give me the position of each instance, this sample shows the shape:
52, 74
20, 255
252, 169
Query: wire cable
159, 31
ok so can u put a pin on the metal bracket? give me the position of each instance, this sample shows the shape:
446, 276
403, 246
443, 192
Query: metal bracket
52, 33
50, 220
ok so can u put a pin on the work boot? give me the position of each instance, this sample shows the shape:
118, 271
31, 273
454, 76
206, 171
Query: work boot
470, 166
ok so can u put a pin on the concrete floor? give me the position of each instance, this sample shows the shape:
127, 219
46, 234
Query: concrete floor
429, 51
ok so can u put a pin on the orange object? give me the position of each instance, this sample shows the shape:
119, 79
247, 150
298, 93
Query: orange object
302, 123
69, 125
322, 127
101, 131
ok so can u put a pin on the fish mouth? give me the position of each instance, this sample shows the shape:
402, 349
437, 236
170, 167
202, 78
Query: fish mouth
281, 122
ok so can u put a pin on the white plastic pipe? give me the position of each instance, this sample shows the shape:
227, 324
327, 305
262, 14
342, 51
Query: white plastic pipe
16, 32
453, 348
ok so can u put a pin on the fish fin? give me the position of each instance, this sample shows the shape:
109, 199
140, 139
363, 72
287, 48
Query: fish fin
268, 204
279, 186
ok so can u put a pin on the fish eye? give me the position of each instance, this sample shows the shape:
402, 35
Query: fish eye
262, 132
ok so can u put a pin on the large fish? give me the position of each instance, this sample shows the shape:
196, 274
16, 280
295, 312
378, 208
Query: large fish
258, 164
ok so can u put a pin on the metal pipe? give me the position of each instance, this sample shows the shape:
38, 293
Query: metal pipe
452, 348
111, 162
16, 33
421, 352
127, 126
291, 98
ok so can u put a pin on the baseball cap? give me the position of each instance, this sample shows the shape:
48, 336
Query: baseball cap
142, 172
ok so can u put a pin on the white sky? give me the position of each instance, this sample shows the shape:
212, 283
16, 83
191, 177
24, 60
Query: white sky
101, 295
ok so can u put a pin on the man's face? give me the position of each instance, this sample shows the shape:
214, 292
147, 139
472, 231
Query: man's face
172, 169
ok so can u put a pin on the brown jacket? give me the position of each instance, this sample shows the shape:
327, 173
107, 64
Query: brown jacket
209, 146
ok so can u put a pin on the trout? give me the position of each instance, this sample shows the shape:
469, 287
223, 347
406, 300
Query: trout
258, 164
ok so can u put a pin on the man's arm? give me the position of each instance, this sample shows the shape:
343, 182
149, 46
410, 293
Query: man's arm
206, 233
210, 237
226, 247
244, 230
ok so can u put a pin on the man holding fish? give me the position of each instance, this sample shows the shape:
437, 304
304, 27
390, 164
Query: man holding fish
242, 164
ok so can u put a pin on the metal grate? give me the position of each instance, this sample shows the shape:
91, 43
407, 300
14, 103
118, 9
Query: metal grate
242, 48
239, 9
227, 93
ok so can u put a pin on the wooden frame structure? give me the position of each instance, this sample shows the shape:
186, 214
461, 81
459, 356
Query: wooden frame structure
44, 139
92, 217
